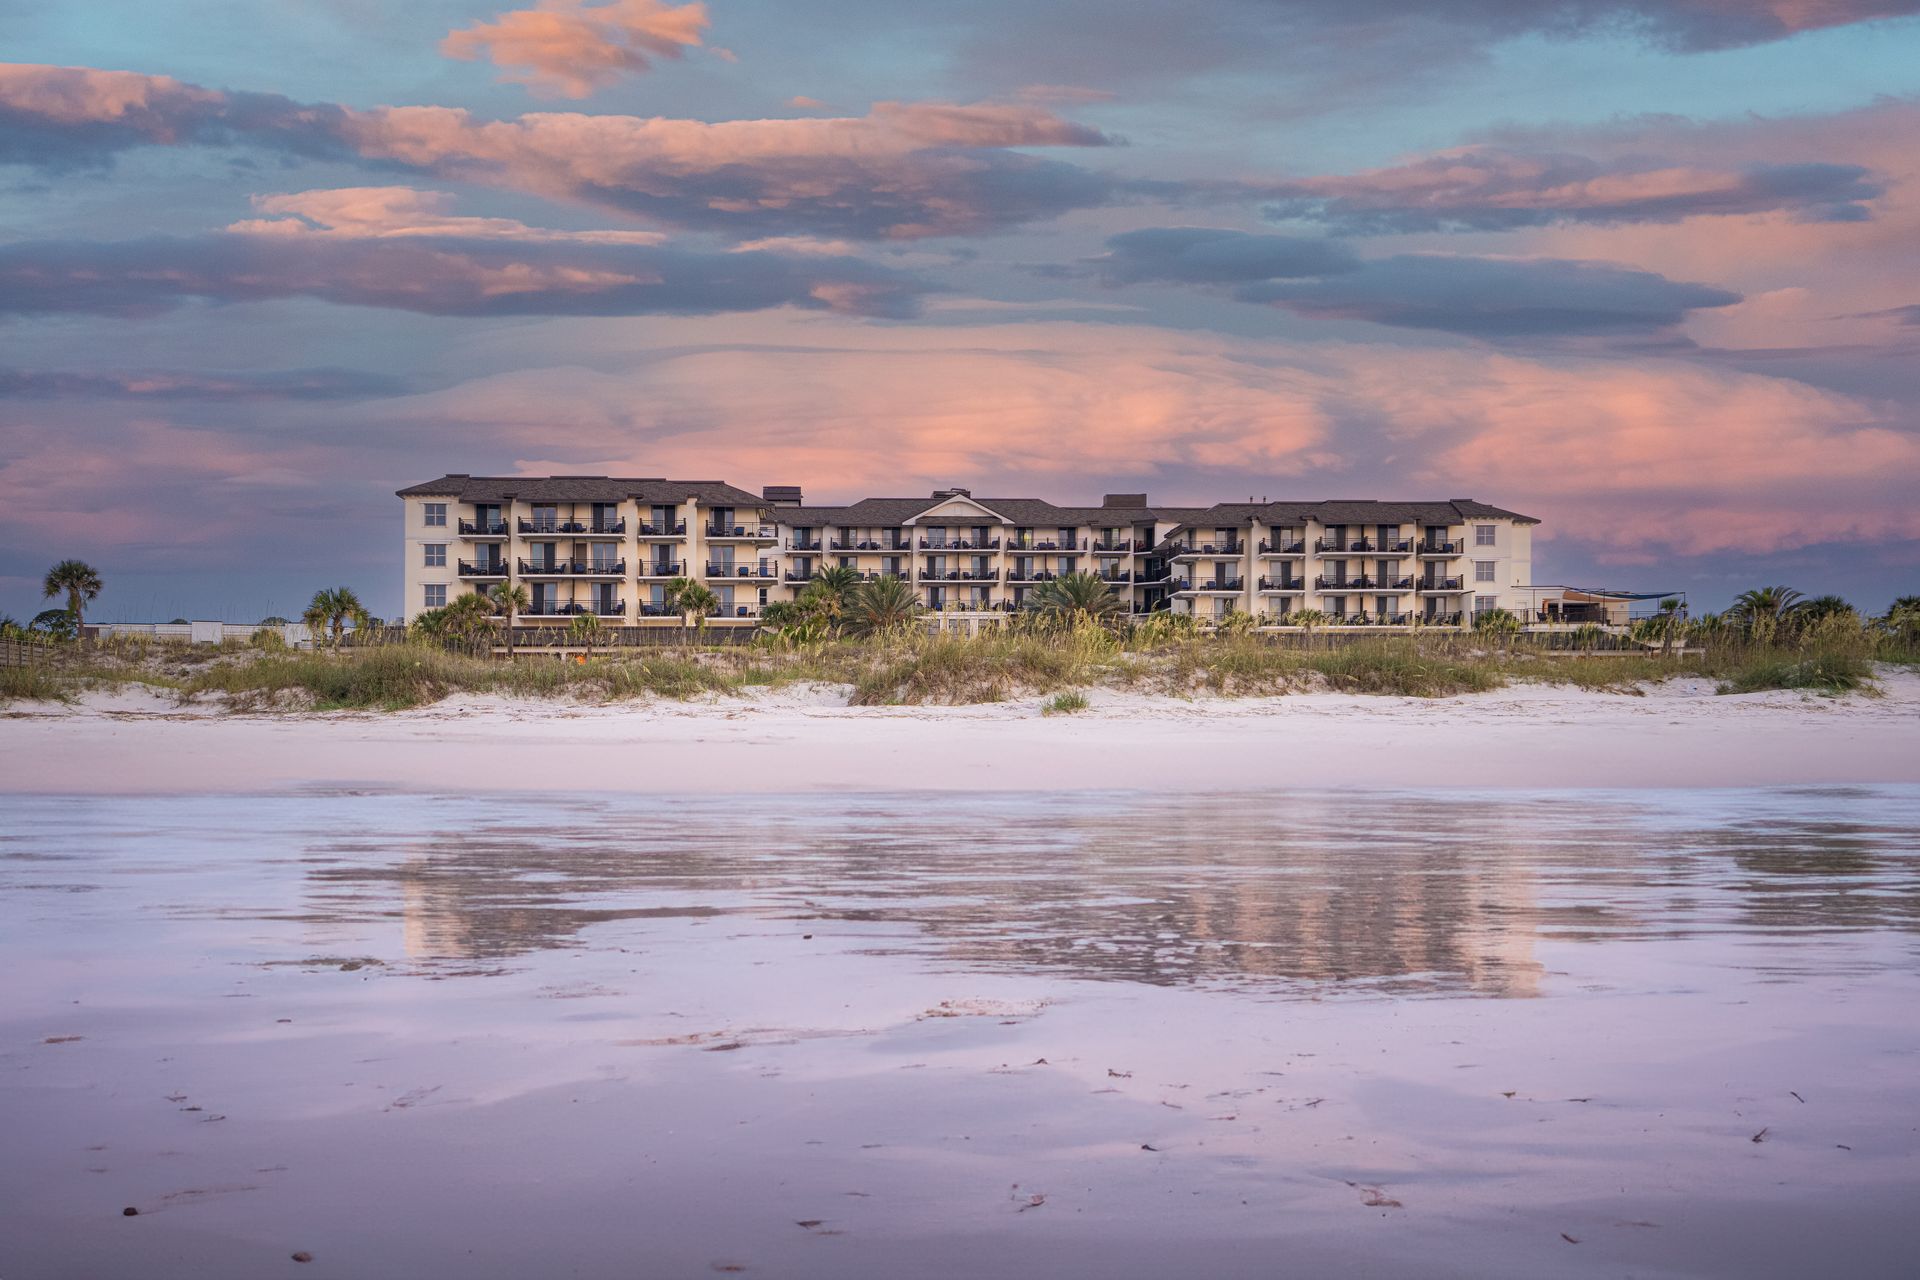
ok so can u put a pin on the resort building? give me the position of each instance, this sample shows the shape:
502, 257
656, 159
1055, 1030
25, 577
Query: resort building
609, 546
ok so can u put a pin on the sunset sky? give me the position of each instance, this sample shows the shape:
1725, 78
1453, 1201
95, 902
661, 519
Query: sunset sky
1648, 270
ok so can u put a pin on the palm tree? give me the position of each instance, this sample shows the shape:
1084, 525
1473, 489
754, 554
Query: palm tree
1076, 597
1307, 620
511, 599
839, 579
586, 629
882, 605
1761, 610
332, 608
80, 582
693, 601
1819, 608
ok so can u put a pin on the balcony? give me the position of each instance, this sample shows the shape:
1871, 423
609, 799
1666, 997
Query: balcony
1443, 548
960, 544
1115, 575
1339, 585
1283, 548
552, 526
893, 548
1442, 619
483, 569
1047, 545
571, 609
660, 568
737, 571
1031, 575
664, 530
1112, 548
1286, 586
618, 525
573, 568
739, 533
1199, 551
1440, 585
957, 575
806, 548
483, 529
1396, 547
1218, 587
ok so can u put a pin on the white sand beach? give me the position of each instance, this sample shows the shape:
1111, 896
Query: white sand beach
1680, 733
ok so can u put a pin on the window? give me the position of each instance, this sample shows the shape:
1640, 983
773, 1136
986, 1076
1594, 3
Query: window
1485, 604
436, 515
436, 554
1483, 571
436, 595
1483, 535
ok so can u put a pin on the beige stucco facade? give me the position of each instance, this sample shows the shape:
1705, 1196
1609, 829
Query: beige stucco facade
607, 546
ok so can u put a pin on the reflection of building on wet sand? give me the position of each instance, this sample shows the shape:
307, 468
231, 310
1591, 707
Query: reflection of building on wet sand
1160, 892
1301, 897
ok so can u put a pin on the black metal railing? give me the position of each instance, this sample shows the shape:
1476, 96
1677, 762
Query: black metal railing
957, 575
1113, 548
1215, 584
574, 568
1431, 548
483, 529
574, 609
663, 530
740, 531
616, 525
543, 525
660, 568
483, 569
1345, 584
1283, 548
738, 571
1047, 544
1442, 584
960, 544
1285, 584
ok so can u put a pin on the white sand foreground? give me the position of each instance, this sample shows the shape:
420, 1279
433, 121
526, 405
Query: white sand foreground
1677, 734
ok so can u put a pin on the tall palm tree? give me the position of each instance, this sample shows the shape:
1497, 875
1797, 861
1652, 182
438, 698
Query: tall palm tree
1076, 596
839, 579
80, 582
885, 604
334, 607
511, 599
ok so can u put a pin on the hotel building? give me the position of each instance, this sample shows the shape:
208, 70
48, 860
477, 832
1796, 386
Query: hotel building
609, 546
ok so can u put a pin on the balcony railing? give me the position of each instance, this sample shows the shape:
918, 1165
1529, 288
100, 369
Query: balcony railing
543, 525
1183, 550
1345, 584
814, 547
960, 544
483, 529
1112, 548
1395, 546
616, 525
1442, 584
660, 568
663, 530
1115, 575
957, 575
1031, 575
483, 569
1285, 584
738, 571
573, 609
1217, 585
1283, 548
868, 544
1047, 544
574, 568
758, 533
1442, 548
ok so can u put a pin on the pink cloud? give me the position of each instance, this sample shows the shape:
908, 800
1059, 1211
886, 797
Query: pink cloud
568, 48
380, 212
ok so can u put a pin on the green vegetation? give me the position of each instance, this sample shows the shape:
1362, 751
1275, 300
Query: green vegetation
34, 683
79, 582
1824, 673
1064, 704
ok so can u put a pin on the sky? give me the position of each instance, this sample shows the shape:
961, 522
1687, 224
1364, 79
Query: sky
1647, 270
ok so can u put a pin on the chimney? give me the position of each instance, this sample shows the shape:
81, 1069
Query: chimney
1125, 500
782, 495
952, 493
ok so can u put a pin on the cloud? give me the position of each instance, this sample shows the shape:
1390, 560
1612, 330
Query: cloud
904, 170
375, 212
1478, 296
1494, 297
568, 48
435, 275
1210, 255
1489, 188
175, 384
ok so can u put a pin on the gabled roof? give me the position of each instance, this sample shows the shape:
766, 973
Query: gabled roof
646, 489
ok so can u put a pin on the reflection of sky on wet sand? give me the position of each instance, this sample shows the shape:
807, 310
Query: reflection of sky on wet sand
653, 1035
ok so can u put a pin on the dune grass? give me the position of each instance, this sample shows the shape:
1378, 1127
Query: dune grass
1821, 673
1064, 704
32, 684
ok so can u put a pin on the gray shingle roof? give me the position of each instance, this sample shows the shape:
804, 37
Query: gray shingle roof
646, 489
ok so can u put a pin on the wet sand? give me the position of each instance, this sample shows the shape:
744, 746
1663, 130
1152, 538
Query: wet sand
1657, 1033
1677, 734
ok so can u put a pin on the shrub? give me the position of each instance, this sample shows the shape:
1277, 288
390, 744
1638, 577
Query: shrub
1825, 673
1062, 704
